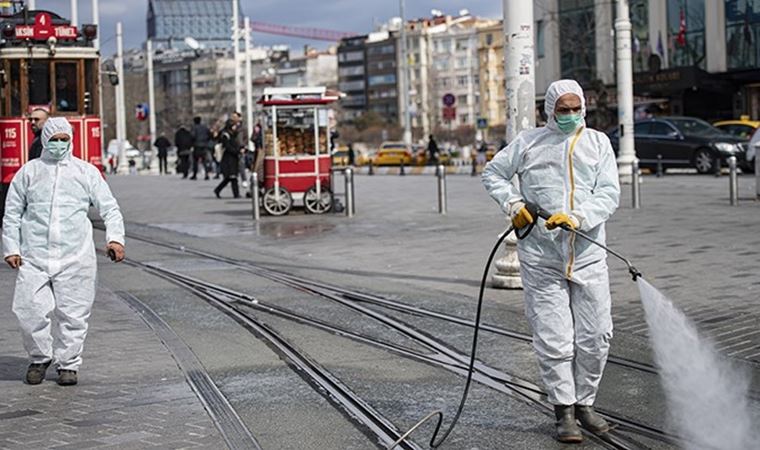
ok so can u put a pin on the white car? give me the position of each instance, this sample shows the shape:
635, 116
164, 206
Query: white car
129, 151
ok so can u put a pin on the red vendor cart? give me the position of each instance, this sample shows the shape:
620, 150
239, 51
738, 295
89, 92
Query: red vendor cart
297, 159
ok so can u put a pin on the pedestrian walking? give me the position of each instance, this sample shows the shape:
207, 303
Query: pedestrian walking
258, 152
183, 140
201, 147
482, 151
569, 170
351, 155
230, 158
38, 117
47, 237
162, 144
433, 151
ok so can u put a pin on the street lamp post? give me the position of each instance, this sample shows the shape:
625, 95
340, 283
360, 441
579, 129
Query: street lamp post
121, 127
236, 53
74, 13
405, 79
624, 91
151, 96
248, 81
521, 107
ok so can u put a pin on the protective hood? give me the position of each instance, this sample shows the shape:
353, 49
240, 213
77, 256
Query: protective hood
53, 126
557, 90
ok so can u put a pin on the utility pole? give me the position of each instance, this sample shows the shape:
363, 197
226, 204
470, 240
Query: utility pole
406, 79
96, 22
121, 127
74, 13
151, 97
248, 81
521, 109
627, 151
236, 53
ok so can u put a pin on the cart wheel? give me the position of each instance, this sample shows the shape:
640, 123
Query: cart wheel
275, 206
318, 205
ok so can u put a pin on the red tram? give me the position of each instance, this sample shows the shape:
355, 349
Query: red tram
47, 63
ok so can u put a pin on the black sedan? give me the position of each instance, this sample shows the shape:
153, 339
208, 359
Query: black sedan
682, 142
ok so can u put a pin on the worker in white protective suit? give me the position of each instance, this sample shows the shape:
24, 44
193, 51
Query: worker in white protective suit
570, 171
47, 236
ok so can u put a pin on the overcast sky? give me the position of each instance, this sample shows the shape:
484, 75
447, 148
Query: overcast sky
342, 15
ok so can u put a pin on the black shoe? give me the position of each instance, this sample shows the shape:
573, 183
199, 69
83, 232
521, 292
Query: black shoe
590, 420
193, 178
36, 372
567, 429
217, 194
67, 377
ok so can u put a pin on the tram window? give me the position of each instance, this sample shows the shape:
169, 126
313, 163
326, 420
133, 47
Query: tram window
90, 87
66, 95
39, 83
15, 109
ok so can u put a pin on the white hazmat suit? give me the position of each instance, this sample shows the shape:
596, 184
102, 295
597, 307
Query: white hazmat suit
46, 224
566, 288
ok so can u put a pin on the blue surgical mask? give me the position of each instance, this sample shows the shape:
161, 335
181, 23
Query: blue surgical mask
568, 123
58, 149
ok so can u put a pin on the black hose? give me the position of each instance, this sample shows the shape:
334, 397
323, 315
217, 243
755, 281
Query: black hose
471, 368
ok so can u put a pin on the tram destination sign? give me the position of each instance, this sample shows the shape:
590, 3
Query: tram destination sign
44, 29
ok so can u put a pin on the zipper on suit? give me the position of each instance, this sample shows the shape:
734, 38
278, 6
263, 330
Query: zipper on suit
571, 176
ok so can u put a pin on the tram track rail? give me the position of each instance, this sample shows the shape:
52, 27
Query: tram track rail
442, 355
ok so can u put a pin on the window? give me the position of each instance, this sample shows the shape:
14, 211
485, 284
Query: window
441, 64
351, 56
461, 62
462, 100
375, 80
640, 47
661, 129
39, 83
462, 44
351, 70
382, 50
641, 128
91, 86
742, 34
489, 39
66, 92
540, 50
351, 85
687, 45
462, 80
464, 119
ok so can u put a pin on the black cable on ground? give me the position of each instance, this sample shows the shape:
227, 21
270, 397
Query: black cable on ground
471, 368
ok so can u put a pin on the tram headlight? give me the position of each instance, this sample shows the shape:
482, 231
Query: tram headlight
8, 31
51, 44
90, 31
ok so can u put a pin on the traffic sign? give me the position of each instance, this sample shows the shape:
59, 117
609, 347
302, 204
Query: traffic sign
449, 113
449, 99
482, 123
141, 111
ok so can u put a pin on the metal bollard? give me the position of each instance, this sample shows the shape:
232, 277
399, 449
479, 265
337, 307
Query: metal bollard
255, 195
441, 189
757, 171
716, 166
401, 170
474, 168
660, 170
636, 186
733, 181
371, 170
348, 175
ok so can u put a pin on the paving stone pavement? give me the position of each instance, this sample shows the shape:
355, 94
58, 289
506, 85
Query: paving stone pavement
131, 394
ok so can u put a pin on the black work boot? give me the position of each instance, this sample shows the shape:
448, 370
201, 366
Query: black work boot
567, 429
590, 420
67, 377
36, 372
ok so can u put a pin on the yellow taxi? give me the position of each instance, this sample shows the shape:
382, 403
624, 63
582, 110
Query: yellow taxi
392, 154
340, 156
742, 128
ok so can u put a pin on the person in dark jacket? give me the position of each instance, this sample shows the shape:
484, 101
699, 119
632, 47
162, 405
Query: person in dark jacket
351, 155
38, 117
230, 158
432, 151
162, 144
201, 147
184, 142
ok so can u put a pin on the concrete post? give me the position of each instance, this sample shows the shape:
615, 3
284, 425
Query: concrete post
236, 53
521, 109
442, 207
624, 90
255, 196
31, 4
151, 97
733, 182
75, 13
349, 181
96, 22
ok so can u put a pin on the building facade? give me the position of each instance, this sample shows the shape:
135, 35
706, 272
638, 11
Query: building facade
352, 76
312, 69
493, 100
382, 75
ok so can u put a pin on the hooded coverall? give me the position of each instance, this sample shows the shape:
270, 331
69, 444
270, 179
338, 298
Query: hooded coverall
46, 224
566, 287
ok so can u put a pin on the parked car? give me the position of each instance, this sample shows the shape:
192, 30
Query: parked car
742, 128
683, 142
392, 154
